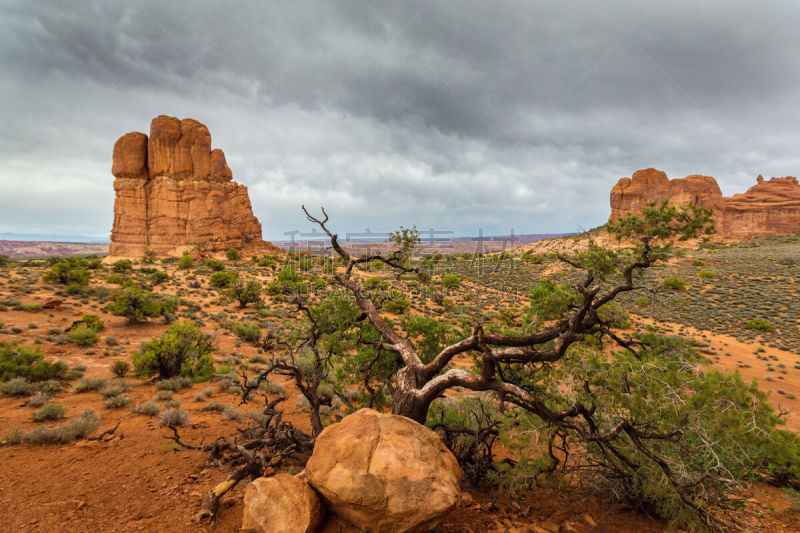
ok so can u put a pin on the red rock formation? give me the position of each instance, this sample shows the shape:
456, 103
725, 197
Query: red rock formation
174, 192
768, 208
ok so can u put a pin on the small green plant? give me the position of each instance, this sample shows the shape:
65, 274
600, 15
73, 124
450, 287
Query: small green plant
214, 264
116, 402
451, 281
759, 324
222, 280
158, 277
247, 331
183, 350
245, 292
185, 262
397, 303
120, 368
51, 411
674, 283
123, 265
27, 363
149, 408
707, 274
83, 336
232, 254
137, 305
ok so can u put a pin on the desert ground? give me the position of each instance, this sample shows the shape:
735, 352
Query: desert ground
126, 475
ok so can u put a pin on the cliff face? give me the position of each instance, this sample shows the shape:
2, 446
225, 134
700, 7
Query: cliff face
173, 192
771, 207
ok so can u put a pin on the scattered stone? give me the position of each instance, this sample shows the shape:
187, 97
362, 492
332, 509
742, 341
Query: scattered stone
52, 304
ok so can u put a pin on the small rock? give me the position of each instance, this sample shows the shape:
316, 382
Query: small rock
281, 504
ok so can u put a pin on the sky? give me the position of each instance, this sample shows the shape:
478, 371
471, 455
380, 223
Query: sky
457, 116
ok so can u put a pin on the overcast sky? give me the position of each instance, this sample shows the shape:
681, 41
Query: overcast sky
456, 115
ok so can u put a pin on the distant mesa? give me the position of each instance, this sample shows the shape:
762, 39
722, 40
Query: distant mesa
173, 192
770, 207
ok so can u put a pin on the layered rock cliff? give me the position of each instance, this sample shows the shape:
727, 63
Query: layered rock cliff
771, 207
174, 192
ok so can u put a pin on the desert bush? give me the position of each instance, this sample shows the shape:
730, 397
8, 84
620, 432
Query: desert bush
117, 402
214, 264
245, 292
28, 363
451, 281
397, 303
247, 331
17, 387
759, 324
173, 417
83, 336
123, 265
183, 350
117, 279
4, 260
114, 388
185, 262
149, 408
62, 434
67, 273
232, 254
137, 305
51, 411
674, 283
222, 280
89, 384
707, 274
120, 367
266, 261
158, 277
174, 384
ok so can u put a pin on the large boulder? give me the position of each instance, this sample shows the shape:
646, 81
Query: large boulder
281, 504
384, 473
130, 156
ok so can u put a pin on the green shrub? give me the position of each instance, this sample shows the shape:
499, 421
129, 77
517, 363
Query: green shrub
266, 261
158, 277
136, 305
222, 280
451, 281
51, 411
89, 384
117, 279
698, 262
28, 363
247, 331
674, 283
232, 254
397, 303
707, 274
114, 388
185, 262
245, 292
759, 324
120, 368
123, 265
214, 264
83, 336
68, 272
183, 350
4, 260
92, 322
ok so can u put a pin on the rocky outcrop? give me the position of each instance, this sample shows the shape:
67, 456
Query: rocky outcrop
173, 193
281, 504
382, 472
771, 207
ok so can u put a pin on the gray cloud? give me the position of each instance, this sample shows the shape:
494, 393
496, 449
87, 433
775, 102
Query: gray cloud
459, 116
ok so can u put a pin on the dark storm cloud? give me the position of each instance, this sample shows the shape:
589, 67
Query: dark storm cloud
441, 114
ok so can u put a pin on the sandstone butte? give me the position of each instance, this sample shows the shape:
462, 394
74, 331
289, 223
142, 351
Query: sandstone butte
770, 207
174, 193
